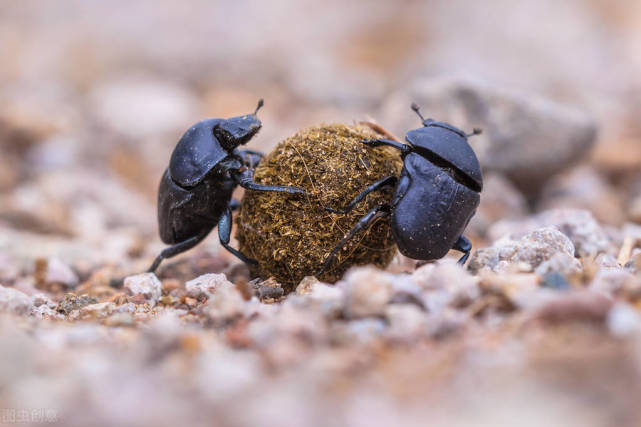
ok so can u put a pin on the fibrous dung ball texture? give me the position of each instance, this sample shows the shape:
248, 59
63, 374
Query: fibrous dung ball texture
291, 236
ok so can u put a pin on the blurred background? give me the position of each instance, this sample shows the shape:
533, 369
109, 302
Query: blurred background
96, 94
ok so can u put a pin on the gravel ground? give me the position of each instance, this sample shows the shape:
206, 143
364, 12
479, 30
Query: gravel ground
541, 327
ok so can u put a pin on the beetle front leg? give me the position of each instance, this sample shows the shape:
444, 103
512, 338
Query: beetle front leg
387, 182
404, 148
224, 234
364, 223
246, 180
465, 246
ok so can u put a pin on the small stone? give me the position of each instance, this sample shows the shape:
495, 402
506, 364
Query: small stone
554, 280
46, 312
225, 304
170, 285
513, 290
145, 286
306, 286
97, 311
560, 264
41, 299
129, 307
52, 274
446, 283
586, 234
268, 290
119, 299
367, 291
73, 302
407, 321
206, 285
14, 301
328, 298
532, 250
616, 281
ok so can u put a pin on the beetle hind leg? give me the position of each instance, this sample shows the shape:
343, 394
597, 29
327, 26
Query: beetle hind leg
463, 245
364, 223
176, 249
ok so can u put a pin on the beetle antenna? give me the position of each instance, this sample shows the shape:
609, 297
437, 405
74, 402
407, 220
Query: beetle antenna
260, 104
416, 109
475, 131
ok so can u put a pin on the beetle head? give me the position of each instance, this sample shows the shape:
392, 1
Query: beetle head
430, 123
238, 130
447, 147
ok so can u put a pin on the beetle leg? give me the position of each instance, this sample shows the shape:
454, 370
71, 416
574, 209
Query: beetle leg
224, 234
250, 158
364, 223
395, 144
234, 204
246, 180
177, 249
463, 245
388, 181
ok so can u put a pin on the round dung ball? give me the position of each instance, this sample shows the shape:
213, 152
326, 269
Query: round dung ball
291, 236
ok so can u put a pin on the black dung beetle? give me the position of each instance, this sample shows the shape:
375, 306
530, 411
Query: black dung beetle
195, 192
434, 198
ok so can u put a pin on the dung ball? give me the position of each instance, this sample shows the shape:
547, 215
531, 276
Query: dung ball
291, 236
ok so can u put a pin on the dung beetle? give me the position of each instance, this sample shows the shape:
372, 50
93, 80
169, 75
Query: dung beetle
435, 196
195, 192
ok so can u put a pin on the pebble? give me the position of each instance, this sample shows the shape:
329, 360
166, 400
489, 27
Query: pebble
225, 304
52, 272
366, 292
206, 285
14, 301
445, 283
145, 286
616, 281
97, 311
545, 247
329, 299
407, 321
580, 226
73, 302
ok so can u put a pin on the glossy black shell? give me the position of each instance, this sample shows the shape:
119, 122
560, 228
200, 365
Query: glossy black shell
185, 213
450, 146
197, 152
433, 212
